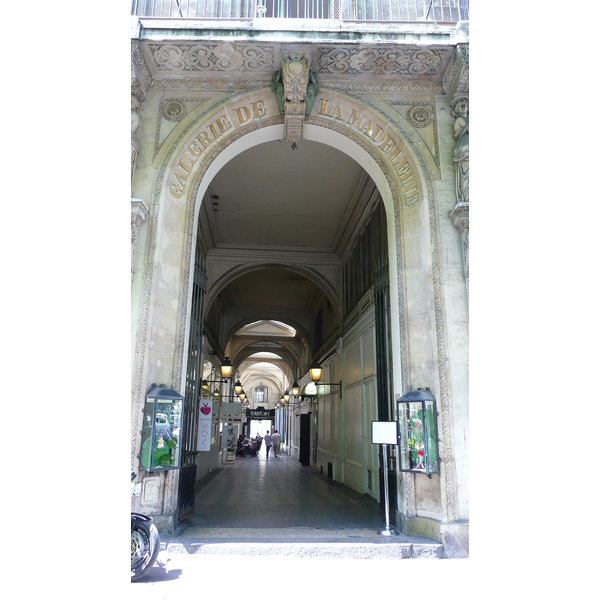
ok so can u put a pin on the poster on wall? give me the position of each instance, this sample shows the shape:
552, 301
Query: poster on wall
230, 437
205, 416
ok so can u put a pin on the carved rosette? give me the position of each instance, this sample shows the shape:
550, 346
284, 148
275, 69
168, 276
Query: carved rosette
139, 212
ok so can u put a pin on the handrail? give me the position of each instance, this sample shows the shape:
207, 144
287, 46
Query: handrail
438, 11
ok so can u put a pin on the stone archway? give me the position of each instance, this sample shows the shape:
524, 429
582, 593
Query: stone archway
206, 141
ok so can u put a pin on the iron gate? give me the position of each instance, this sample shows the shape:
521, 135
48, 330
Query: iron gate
187, 475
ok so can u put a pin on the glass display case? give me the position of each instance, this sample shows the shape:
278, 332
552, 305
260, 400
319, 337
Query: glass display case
417, 417
161, 432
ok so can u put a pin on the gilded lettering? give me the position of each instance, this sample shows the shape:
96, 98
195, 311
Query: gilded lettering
354, 118
243, 114
213, 130
378, 131
403, 170
388, 145
338, 113
184, 168
194, 150
190, 156
224, 124
260, 109
409, 198
181, 179
177, 190
366, 129
203, 137
323, 106
413, 190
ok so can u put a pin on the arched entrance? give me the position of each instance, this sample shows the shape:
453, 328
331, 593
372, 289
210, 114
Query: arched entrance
205, 142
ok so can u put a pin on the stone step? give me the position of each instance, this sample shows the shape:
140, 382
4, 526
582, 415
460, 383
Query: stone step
301, 544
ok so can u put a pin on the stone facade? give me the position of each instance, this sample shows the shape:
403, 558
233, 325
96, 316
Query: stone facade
401, 111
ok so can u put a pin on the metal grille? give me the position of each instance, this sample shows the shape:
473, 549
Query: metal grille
194, 362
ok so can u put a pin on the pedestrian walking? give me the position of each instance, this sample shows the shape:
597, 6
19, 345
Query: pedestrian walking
275, 440
268, 442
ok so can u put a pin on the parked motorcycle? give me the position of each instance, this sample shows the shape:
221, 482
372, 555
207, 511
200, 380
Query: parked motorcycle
145, 540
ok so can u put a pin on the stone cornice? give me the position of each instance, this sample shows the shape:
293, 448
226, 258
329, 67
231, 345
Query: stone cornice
297, 31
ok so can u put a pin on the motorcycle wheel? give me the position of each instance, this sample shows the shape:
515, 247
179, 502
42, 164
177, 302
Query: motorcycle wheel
143, 555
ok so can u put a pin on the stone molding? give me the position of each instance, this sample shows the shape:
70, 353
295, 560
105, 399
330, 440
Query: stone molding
383, 87
456, 78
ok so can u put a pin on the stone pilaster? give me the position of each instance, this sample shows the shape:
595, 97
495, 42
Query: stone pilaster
139, 212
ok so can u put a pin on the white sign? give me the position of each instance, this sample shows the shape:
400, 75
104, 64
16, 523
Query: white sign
384, 432
204, 424
231, 409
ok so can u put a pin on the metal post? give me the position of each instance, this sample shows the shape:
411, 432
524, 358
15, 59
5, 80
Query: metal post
387, 530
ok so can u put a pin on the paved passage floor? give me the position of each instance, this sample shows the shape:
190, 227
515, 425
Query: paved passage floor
278, 492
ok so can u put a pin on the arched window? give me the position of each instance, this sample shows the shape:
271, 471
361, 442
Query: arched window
260, 394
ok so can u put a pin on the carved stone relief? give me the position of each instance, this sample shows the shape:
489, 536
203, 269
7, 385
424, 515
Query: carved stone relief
381, 61
173, 110
295, 86
461, 151
212, 58
136, 127
421, 116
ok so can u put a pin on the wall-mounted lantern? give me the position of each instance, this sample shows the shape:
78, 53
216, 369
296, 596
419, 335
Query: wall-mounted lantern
418, 444
161, 431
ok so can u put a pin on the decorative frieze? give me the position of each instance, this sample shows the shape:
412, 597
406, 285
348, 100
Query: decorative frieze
212, 58
381, 60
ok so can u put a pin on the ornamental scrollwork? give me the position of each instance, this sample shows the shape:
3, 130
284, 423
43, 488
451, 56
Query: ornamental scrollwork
206, 58
381, 61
